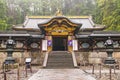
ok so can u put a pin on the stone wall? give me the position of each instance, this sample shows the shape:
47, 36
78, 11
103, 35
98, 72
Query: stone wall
94, 57
37, 57
2, 58
17, 56
97, 57
116, 55
82, 57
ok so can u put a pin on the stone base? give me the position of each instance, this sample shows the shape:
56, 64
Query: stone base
109, 61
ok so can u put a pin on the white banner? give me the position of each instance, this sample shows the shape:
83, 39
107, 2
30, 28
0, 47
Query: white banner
44, 45
75, 45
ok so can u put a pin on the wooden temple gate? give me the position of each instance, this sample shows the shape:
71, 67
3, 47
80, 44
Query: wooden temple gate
59, 32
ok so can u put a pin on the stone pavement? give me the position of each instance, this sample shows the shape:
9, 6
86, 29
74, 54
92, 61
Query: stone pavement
61, 74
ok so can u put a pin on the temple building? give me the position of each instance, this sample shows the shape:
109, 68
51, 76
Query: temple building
58, 30
44, 34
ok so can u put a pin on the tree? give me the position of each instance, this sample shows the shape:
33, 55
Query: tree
16, 10
108, 13
3, 19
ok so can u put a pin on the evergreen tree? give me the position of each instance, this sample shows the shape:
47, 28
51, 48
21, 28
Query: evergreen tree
108, 13
3, 18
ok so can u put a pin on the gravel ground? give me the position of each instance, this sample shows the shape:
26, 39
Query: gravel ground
105, 73
12, 75
61, 74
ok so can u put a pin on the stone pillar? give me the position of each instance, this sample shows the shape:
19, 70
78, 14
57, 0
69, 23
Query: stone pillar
70, 48
49, 42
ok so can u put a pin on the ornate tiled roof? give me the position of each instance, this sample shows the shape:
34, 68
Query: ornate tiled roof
21, 34
31, 22
98, 34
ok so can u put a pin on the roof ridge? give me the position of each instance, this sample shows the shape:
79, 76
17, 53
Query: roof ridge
36, 17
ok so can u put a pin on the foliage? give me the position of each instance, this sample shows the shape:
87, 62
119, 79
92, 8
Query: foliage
13, 12
105, 12
108, 13
3, 23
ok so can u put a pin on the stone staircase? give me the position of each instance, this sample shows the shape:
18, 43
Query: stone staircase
60, 59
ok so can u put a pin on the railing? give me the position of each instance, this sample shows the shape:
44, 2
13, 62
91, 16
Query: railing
74, 60
45, 59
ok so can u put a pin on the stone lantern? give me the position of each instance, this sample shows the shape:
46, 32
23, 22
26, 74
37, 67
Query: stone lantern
109, 49
10, 43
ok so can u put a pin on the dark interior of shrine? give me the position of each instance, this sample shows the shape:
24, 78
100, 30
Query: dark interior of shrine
59, 43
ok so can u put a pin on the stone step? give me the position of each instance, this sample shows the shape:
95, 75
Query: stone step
59, 56
64, 55
62, 58
59, 67
59, 52
61, 64
59, 59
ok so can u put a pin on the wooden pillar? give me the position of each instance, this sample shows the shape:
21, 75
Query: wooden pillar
26, 70
5, 76
22, 58
110, 69
100, 71
93, 69
114, 69
3, 67
28, 66
18, 74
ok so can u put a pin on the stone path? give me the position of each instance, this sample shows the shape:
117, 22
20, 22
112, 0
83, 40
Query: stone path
61, 74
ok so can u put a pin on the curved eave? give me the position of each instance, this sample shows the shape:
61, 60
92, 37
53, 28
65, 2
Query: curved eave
94, 29
58, 18
21, 34
76, 31
103, 34
82, 36
25, 29
37, 36
14, 35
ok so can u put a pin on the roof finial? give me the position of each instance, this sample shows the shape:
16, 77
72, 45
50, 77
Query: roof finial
58, 13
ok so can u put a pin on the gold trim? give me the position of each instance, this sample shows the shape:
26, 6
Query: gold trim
39, 17
78, 17
34, 17
59, 21
59, 34
62, 28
